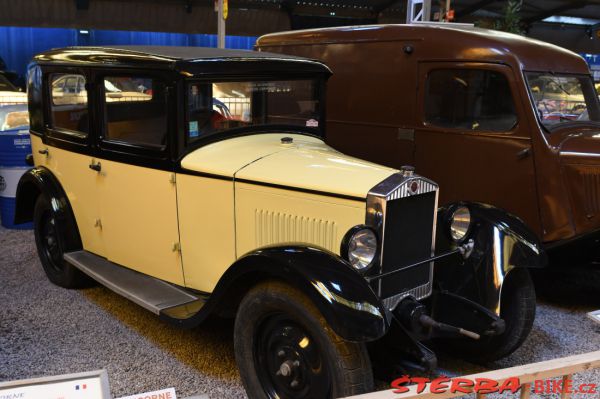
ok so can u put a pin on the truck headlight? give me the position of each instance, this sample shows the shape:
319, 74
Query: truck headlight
359, 247
460, 221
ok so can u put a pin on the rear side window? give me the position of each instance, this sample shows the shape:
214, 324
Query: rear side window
136, 110
469, 99
69, 106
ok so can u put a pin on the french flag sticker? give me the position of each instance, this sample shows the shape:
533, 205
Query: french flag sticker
78, 387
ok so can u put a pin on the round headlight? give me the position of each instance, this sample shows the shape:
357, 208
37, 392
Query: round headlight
460, 221
360, 247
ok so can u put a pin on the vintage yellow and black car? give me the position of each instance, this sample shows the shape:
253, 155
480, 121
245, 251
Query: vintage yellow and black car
196, 181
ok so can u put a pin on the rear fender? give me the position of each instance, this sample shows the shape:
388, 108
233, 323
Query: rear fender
40, 181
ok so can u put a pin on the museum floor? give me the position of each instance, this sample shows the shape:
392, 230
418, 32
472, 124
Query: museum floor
46, 330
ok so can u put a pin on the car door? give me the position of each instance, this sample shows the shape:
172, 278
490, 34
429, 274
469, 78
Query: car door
137, 185
67, 149
473, 137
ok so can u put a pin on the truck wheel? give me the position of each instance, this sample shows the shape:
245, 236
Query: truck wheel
517, 308
284, 348
51, 247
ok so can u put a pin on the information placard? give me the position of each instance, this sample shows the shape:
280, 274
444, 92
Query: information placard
168, 393
90, 385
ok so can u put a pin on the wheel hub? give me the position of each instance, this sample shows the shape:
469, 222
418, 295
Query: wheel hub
50, 244
289, 363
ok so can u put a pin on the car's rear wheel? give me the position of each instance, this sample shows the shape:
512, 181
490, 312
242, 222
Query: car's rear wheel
50, 243
285, 349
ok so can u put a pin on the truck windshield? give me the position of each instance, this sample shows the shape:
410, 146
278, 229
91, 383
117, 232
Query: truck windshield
563, 98
215, 107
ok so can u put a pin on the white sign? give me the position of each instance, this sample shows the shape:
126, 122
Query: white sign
168, 393
75, 386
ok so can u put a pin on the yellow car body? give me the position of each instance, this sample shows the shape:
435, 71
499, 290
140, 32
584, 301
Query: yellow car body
196, 181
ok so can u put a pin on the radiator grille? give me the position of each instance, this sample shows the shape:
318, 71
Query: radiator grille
277, 228
408, 234
406, 190
403, 210
591, 190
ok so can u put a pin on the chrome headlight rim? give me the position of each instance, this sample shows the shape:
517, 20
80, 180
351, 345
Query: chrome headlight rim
451, 221
345, 247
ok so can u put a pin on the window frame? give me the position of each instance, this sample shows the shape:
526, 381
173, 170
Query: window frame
502, 69
320, 86
57, 135
121, 150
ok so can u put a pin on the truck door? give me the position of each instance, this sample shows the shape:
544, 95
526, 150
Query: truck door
473, 138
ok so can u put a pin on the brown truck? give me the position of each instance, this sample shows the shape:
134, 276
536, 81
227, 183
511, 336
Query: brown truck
492, 117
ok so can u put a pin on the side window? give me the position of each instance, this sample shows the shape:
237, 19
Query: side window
136, 110
69, 108
469, 99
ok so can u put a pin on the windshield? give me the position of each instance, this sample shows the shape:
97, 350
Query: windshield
563, 98
5, 85
214, 107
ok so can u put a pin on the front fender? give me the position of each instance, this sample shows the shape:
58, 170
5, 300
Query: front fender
341, 294
502, 242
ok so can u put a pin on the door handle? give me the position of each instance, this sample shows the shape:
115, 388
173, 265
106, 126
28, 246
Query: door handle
524, 153
44, 151
96, 166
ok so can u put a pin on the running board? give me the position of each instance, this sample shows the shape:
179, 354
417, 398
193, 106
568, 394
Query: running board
150, 293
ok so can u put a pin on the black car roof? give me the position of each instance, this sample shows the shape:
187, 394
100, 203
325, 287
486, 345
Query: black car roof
184, 59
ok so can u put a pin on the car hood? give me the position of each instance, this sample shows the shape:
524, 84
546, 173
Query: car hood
579, 152
580, 146
307, 163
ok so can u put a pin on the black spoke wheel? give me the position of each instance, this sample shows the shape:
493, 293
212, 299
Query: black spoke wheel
284, 348
51, 246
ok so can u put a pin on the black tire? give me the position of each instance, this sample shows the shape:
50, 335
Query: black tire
50, 244
517, 308
269, 328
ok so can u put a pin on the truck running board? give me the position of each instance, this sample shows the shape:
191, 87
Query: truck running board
153, 294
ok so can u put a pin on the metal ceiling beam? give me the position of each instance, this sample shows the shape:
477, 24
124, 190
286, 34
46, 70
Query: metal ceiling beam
569, 5
463, 12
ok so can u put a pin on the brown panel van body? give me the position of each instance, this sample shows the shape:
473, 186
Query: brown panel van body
486, 114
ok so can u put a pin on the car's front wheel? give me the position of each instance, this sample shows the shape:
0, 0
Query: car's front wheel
284, 348
517, 309
51, 246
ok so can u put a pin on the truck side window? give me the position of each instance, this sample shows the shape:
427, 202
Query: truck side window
469, 99
136, 110
69, 106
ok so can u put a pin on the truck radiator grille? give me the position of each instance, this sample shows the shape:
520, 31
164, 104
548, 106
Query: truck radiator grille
277, 228
591, 191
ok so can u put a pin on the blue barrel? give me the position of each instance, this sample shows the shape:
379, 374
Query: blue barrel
15, 144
